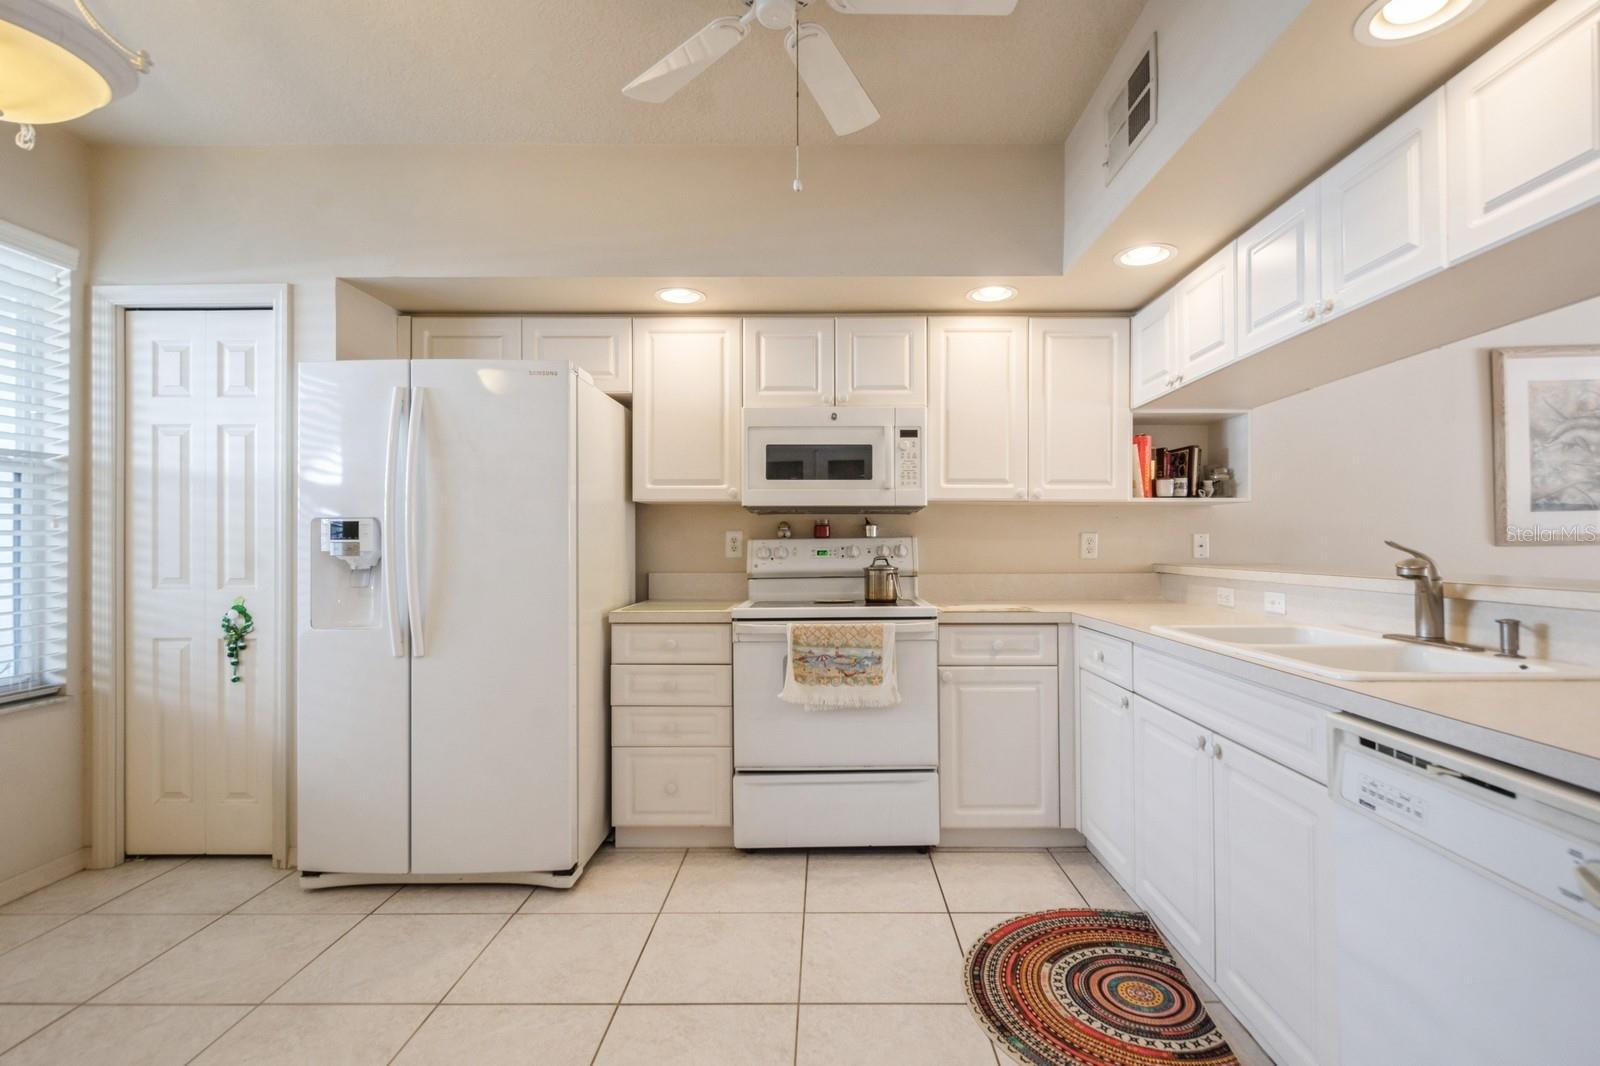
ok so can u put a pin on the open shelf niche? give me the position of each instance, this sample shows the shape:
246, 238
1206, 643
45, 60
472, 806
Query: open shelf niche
1223, 438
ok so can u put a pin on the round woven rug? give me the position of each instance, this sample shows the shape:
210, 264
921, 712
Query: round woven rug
1086, 988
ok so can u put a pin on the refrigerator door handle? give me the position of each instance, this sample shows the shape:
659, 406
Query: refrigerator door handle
391, 477
413, 490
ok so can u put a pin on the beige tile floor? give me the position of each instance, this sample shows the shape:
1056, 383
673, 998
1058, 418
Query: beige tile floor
659, 957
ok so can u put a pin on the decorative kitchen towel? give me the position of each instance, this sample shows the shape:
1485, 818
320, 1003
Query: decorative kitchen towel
841, 665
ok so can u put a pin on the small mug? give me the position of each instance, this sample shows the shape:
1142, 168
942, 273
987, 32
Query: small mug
1164, 486
1180, 486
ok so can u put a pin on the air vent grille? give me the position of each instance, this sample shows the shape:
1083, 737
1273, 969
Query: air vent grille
1132, 112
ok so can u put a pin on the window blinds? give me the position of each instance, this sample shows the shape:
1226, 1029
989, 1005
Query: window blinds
35, 345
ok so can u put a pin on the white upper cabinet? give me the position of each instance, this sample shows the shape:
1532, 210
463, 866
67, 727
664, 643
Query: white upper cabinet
978, 408
1202, 310
465, 337
686, 423
881, 361
1524, 129
1154, 363
1079, 422
998, 748
788, 362
600, 344
1280, 265
1383, 211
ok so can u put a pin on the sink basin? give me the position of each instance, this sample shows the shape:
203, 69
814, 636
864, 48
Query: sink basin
1351, 655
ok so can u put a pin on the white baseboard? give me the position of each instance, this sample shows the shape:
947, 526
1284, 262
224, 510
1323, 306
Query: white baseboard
671, 837
1011, 838
36, 878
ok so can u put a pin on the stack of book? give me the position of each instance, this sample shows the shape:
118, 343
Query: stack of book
1151, 464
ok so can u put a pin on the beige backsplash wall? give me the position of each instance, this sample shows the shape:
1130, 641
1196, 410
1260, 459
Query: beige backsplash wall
1402, 452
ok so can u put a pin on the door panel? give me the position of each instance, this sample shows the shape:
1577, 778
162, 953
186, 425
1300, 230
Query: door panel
1154, 358
788, 362
978, 408
1204, 336
1105, 731
493, 682
881, 360
998, 747
686, 374
1079, 422
601, 345
466, 337
1280, 290
202, 529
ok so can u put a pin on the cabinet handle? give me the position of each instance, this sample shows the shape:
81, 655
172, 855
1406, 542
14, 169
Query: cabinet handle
1216, 751
1180, 379
1021, 495
672, 645
945, 677
1038, 494
1200, 742
733, 494
1327, 307
670, 788
670, 686
1123, 702
1099, 656
1309, 314
997, 645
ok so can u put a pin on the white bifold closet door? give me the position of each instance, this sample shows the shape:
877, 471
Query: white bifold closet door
202, 515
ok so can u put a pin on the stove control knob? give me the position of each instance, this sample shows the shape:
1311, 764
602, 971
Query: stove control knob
901, 551
780, 553
852, 551
763, 553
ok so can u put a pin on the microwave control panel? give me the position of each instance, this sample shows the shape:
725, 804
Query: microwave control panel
908, 458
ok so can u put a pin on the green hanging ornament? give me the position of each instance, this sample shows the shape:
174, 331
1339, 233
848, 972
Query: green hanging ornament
237, 625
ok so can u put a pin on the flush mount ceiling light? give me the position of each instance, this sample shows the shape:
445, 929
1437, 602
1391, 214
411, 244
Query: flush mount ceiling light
991, 294
680, 295
1143, 255
1387, 22
54, 68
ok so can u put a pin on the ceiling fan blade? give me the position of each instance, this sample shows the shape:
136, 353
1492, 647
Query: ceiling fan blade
923, 7
833, 84
684, 63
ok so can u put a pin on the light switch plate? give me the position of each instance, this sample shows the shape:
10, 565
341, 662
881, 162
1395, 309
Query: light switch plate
1201, 544
1224, 597
1088, 545
1274, 603
733, 544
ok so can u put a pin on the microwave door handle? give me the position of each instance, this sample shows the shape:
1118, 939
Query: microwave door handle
391, 477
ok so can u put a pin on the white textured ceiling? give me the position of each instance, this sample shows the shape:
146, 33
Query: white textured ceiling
263, 72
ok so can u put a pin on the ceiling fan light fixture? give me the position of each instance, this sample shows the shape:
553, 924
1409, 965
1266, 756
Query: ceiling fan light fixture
1390, 22
54, 68
992, 294
1143, 255
680, 295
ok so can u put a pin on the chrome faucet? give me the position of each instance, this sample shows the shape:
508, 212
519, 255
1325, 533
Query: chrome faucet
1429, 600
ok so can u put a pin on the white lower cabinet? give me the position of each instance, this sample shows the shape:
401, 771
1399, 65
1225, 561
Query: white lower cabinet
1173, 874
1105, 772
998, 747
672, 786
1274, 939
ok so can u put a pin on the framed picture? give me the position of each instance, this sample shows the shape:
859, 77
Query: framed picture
1547, 445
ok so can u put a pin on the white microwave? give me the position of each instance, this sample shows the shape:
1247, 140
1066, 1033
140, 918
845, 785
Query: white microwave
859, 459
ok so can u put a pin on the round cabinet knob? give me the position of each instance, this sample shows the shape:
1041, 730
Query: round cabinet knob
1123, 702
670, 788
1200, 743
1099, 656
1021, 495
1180, 379
1589, 881
997, 645
672, 644
1216, 751
1038, 494
1327, 307
945, 677
1309, 314
733, 494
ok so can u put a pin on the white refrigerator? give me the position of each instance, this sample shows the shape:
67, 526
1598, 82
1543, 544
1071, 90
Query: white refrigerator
463, 529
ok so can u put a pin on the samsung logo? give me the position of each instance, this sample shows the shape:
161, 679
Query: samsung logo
544, 373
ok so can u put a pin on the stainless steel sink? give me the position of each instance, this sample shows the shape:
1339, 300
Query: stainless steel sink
1352, 655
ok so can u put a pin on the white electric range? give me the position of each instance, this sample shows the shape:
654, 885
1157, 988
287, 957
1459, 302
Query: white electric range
829, 776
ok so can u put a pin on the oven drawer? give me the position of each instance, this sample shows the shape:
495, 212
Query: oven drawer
987, 645
671, 786
640, 643
836, 810
1110, 657
671, 727
675, 686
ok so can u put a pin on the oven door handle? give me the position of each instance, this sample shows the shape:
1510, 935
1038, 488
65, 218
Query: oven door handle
783, 671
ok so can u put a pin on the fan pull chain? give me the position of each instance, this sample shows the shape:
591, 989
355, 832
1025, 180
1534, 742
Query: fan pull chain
798, 185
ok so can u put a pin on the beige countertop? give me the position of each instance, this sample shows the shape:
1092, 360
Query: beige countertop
1549, 727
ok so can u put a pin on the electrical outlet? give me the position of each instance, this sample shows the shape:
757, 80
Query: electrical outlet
1275, 603
1201, 544
1088, 545
733, 544
1224, 597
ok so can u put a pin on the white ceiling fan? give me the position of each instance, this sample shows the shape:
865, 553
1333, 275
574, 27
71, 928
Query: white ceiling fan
832, 83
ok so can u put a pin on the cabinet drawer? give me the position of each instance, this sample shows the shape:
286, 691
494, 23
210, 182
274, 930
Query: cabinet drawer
672, 786
671, 686
997, 645
1287, 730
671, 727
1110, 657
633, 643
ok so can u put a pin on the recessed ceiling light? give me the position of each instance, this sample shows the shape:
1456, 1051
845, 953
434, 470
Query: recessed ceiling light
680, 296
991, 294
1387, 22
1143, 255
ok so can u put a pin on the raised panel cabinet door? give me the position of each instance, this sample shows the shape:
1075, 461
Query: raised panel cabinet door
1105, 772
465, 337
978, 408
1172, 829
881, 361
998, 747
1383, 211
686, 428
788, 362
1079, 421
1274, 880
1524, 129
1154, 355
599, 344
1280, 267
1204, 336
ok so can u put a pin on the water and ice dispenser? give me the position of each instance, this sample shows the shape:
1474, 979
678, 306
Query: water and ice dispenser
344, 594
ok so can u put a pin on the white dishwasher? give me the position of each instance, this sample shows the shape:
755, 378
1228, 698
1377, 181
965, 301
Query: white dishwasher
1468, 906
